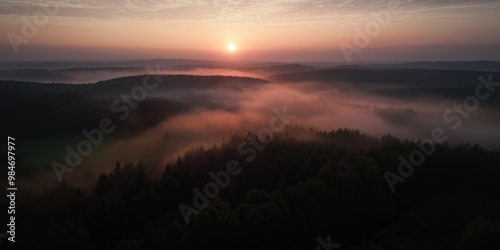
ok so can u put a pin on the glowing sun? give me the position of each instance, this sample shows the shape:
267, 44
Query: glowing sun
231, 47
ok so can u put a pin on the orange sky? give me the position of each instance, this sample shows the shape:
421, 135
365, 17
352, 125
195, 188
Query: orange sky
287, 30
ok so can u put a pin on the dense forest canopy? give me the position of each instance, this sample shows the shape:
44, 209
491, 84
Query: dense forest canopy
294, 191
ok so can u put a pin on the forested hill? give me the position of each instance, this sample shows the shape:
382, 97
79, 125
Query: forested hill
117, 86
293, 191
68, 108
390, 77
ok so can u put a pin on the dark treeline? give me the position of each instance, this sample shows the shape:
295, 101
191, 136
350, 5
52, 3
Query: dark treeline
123, 85
294, 191
390, 77
69, 113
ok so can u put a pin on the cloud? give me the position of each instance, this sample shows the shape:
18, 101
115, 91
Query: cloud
241, 11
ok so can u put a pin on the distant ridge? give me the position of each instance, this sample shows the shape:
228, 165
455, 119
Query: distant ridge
409, 77
281, 69
481, 65
445, 65
128, 63
351, 67
117, 86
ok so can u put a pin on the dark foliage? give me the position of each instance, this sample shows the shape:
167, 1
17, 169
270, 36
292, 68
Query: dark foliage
292, 192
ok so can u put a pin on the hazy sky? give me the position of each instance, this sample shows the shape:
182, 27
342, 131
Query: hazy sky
280, 30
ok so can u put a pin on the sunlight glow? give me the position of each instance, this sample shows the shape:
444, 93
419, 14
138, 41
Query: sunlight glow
231, 47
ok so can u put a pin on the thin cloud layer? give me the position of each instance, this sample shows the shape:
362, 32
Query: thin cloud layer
242, 11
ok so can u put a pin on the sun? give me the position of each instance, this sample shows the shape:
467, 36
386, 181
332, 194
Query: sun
231, 47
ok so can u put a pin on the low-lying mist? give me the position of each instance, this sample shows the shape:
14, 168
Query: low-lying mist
317, 105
